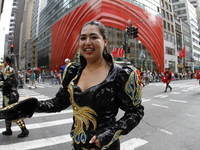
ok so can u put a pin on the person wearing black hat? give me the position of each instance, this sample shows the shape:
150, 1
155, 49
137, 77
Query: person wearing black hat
10, 96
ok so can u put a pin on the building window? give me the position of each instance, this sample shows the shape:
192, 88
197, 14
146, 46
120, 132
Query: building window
171, 18
158, 9
172, 28
166, 5
162, 3
173, 40
170, 8
169, 38
168, 25
164, 24
167, 15
163, 13
170, 51
165, 36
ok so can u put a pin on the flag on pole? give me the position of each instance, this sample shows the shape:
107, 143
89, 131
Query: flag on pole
117, 52
182, 52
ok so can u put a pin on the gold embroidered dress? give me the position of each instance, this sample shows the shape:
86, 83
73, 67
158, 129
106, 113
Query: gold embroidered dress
95, 110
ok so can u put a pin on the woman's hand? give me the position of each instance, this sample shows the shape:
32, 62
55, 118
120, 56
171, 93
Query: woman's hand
95, 140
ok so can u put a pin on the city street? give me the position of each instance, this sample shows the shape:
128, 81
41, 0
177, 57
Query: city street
171, 121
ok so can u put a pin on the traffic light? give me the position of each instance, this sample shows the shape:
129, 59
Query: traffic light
134, 32
129, 49
128, 30
11, 48
124, 47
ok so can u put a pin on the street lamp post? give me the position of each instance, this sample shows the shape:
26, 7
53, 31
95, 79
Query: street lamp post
131, 31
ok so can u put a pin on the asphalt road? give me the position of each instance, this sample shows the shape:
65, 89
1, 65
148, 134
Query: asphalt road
171, 121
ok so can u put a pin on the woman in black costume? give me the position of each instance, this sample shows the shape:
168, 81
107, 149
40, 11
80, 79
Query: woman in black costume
10, 95
96, 89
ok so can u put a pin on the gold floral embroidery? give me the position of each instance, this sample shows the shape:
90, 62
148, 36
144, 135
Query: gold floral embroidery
133, 89
115, 137
83, 116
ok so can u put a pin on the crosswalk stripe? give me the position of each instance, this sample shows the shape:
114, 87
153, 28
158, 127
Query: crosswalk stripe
45, 142
132, 144
27, 145
127, 145
51, 114
48, 114
42, 124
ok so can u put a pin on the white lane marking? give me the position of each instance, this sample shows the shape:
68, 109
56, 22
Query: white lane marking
165, 131
48, 114
132, 144
161, 96
185, 90
174, 92
179, 101
52, 114
191, 115
42, 125
27, 145
160, 105
145, 100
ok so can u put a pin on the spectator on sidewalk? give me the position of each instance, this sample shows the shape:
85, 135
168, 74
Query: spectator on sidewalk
43, 76
67, 61
52, 77
56, 77
146, 75
33, 79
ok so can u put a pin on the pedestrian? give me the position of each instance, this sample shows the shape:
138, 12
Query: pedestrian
33, 80
52, 77
146, 75
1, 76
27, 77
60, 77
43, 76
167, 79
197, 75
96, 89
56, 77
142, 78
67, 61
10, 95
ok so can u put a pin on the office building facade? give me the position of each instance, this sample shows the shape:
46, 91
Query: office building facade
187, 13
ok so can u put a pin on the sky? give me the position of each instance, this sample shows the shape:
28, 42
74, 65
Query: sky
4, 24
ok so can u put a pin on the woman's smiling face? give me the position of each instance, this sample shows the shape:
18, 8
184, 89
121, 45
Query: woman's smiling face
91, 42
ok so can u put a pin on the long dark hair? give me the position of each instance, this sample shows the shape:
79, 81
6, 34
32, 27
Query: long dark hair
103, 32
11, 61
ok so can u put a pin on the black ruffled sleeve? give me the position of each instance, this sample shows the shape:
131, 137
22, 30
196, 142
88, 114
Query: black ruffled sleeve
61, 100
128, 97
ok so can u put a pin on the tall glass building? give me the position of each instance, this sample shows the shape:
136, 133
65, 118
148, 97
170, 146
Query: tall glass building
54, 10
60, 22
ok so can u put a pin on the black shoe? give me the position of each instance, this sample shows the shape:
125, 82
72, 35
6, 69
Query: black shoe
24, 133
165, 91
170, 89
7, 132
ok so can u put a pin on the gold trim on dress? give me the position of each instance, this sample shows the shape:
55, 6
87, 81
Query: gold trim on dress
133, 89
115, 137
82, 116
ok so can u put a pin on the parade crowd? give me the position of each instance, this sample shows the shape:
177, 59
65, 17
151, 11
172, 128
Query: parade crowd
148, 76
95, 89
